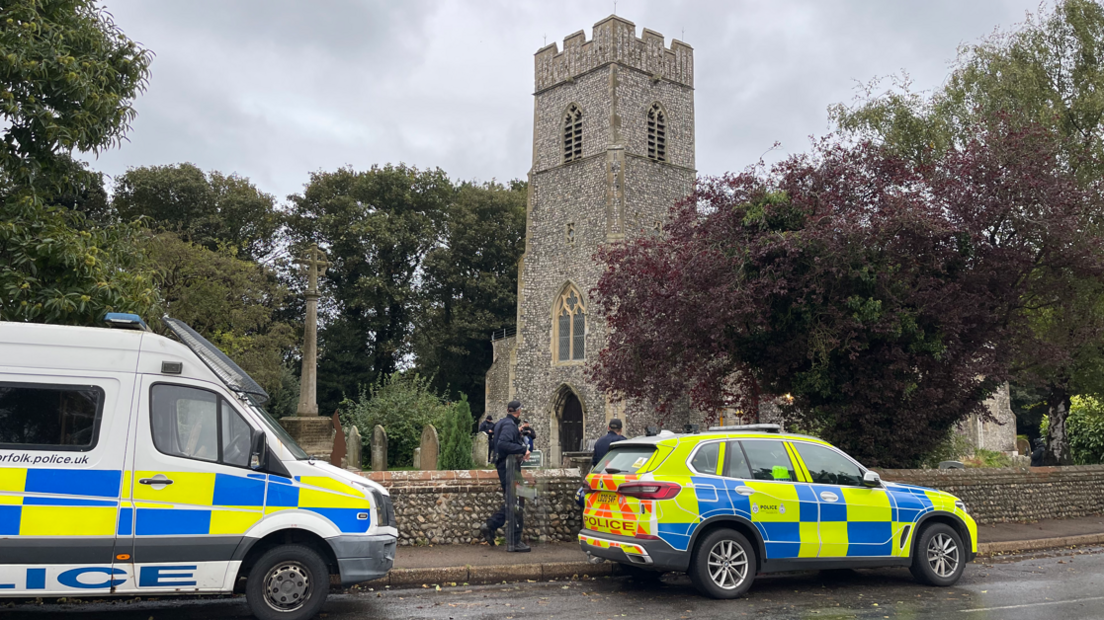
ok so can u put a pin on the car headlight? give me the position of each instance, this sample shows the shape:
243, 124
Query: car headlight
960, 505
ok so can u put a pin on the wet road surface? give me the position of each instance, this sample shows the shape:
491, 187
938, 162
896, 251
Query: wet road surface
1068, 585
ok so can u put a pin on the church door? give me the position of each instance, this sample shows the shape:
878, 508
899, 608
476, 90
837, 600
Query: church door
571, 424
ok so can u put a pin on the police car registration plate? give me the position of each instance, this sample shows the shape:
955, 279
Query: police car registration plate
608, 498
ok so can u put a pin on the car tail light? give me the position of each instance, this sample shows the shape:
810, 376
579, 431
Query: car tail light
650, 490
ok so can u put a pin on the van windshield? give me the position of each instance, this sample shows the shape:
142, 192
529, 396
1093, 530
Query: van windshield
276, 429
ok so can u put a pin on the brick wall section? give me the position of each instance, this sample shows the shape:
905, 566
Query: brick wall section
447, 507
1016, 494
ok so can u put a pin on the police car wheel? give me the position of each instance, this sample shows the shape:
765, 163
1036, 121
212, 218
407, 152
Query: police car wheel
939, 557
723, 565
289, 582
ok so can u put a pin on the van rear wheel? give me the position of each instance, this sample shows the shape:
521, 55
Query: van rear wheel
289, 582
723, 565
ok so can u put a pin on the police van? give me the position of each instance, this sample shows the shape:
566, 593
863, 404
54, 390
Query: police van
133, 464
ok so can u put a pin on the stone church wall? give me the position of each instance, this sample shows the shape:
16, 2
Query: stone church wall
499, 377
611, 193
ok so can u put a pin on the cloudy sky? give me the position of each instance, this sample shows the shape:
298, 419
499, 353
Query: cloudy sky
276, 89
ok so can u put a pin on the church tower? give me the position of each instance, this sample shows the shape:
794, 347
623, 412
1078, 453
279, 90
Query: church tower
613, 150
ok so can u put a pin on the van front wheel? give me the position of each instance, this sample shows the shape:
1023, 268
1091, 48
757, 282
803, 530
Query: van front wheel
289, 582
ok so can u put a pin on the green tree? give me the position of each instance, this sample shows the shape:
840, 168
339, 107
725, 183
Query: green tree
403, 404
68, 77
1086, 430
470, 287
211, 209
231, 302
456, 436
1050, 72
377, 227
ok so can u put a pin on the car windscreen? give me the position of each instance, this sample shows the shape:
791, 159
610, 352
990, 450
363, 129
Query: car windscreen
624, 459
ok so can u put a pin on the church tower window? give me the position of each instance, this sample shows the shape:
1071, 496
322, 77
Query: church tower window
570, 326
657, 133
573, 133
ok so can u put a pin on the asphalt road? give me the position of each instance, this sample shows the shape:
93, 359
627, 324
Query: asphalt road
1067, 585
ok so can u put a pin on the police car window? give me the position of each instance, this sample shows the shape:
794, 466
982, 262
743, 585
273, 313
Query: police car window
50, 417
769, 460
828, 466
706, 458
734, 463
624, 460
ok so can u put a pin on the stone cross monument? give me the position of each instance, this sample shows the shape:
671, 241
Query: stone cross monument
315, 264
312, 432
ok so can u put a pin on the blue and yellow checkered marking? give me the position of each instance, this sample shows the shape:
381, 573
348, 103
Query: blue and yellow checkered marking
58, 502
52, 502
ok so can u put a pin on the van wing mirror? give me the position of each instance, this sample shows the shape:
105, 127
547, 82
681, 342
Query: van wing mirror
257, 449
872, 479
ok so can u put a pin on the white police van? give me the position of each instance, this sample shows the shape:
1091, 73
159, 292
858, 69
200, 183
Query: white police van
135, 465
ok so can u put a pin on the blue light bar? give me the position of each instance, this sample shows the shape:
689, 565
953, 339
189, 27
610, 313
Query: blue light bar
123, 320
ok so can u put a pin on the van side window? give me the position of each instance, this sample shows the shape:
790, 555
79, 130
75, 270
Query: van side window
50, 417
197, 424
769, 460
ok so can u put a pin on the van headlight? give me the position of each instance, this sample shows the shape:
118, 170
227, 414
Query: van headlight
960, 505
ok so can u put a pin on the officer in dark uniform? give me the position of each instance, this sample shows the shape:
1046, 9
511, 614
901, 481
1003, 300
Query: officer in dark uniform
488, 427
508, 440
602, 446
1039, 453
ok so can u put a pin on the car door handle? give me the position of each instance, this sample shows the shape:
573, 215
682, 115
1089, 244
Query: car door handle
158, 479
829, 496
745, 491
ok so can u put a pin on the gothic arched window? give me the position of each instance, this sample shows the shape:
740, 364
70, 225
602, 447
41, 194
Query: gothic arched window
572, 133
570, 326
657, 133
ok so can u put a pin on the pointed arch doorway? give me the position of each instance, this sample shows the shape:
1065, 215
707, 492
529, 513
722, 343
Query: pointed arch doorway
571, 424
568, 426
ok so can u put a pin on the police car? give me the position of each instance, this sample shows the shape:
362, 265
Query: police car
729, 504
134, 464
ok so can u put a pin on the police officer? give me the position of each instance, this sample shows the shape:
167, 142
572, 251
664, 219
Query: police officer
1039, 453
488, 427
602, 446
508, 440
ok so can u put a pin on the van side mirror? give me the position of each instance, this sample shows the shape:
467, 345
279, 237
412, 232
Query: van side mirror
257, 449
872, 479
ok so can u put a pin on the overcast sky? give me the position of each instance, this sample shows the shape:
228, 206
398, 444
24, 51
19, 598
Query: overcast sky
276, 89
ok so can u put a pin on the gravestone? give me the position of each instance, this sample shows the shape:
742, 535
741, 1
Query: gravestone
378, 448
479, 449
337, 454
431, 448
417, 458
1023, 447
354, 445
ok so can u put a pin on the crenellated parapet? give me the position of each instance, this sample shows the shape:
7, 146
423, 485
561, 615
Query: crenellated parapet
614, 40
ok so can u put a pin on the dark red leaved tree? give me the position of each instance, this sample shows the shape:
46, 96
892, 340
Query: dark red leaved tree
886, 298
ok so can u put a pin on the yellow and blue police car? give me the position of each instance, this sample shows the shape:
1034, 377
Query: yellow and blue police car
132, 464
726, 505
